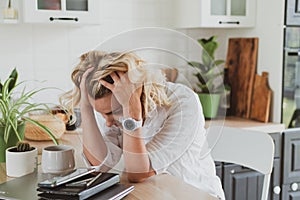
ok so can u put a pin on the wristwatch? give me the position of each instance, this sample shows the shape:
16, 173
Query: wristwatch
130, 124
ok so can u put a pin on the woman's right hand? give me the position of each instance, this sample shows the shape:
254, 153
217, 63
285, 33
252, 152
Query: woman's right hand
84, 101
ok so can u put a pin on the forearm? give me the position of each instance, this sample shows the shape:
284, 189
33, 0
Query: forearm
94, 146
134, 151
129, 95
136, 158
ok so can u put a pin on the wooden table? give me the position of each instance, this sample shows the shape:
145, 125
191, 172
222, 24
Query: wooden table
162, 186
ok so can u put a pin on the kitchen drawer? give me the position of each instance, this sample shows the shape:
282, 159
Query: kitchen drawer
291, 156
291, 192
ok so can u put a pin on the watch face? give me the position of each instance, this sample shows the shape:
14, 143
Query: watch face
129, 124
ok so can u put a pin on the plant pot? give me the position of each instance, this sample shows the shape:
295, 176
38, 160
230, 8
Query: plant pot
12, 140
210, 104
20, 163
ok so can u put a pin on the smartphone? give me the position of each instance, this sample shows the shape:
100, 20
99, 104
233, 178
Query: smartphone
59, 180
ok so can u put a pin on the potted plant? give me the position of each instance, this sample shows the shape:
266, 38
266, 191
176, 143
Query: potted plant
209, 75
21, 159
14, 109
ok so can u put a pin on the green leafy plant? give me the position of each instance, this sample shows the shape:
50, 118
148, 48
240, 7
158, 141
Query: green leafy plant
14, 111
14, 77
209, 70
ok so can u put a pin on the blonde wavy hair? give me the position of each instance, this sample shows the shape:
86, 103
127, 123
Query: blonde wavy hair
154, 91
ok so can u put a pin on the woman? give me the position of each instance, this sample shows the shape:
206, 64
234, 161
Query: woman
157, 126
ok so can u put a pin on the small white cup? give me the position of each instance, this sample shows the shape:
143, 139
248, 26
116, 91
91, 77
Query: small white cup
20, 163
58, 159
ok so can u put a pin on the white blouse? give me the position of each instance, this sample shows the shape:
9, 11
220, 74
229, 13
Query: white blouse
175, 141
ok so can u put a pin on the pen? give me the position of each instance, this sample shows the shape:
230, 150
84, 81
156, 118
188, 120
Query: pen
79, 183
93, 180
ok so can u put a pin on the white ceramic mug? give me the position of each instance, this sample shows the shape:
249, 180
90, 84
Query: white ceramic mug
58, 159
20, 163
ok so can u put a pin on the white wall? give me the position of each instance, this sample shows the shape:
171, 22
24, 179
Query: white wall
269, 30
49, 52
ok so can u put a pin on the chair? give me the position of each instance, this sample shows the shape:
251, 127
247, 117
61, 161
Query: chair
252, 149
171, 74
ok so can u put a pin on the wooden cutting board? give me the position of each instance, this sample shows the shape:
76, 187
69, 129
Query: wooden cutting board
261, 98
241, 62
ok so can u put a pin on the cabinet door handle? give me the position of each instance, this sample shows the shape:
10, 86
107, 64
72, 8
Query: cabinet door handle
232, 171
229, 22
293, 53
294, 186
277, 189
64, 19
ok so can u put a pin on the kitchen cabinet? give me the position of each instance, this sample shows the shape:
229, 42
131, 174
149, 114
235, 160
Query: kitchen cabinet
275, 182
290, 194
291, 164
241, 183
215, 13
291, 156
61, 11
219, 170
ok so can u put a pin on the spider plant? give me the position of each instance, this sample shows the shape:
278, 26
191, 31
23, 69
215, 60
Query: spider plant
14, 109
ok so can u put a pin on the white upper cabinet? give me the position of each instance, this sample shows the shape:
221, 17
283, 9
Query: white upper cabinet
61, 11
215, 13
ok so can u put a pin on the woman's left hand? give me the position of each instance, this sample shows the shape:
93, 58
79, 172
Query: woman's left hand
128, 94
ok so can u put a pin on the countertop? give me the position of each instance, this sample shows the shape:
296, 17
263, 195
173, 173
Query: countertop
237, 122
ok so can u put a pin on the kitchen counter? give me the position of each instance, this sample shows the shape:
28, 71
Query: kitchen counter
237, 122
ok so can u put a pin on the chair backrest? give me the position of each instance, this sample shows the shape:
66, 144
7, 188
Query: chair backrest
249, 148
